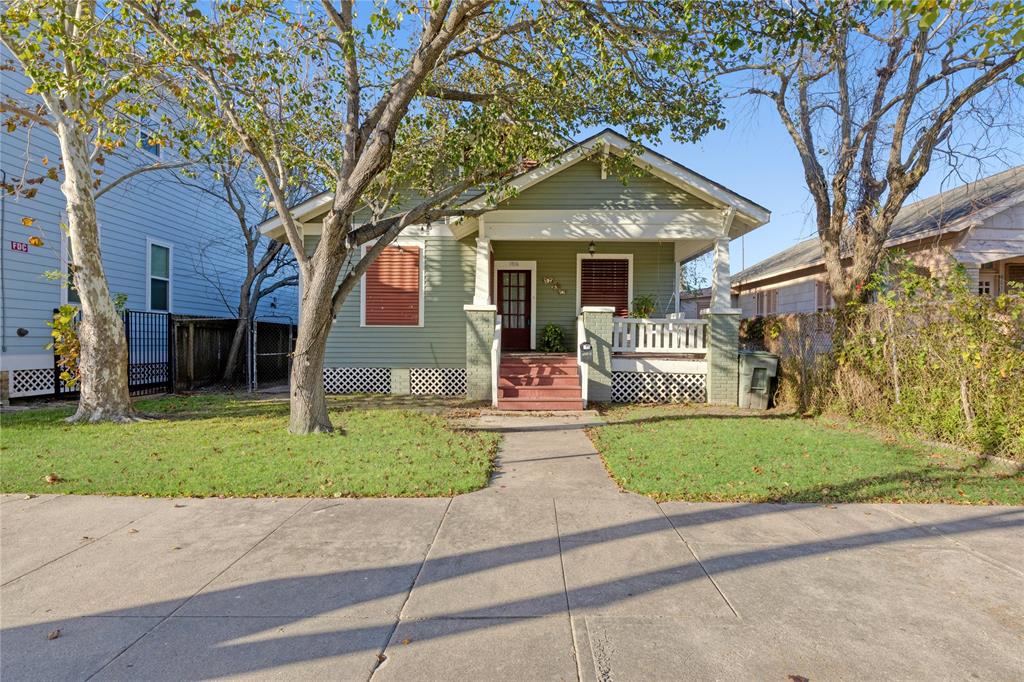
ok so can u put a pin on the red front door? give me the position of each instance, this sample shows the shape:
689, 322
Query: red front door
514, 308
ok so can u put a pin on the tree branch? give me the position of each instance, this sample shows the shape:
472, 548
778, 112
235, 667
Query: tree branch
141, 169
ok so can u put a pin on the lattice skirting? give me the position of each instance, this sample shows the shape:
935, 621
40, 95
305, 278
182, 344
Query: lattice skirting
437, 380
657, 387
357, 379
26, 382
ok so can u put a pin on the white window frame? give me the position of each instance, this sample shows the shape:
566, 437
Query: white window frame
530, 265
580, 257
150, 243
988, 283
145, 123
422, 245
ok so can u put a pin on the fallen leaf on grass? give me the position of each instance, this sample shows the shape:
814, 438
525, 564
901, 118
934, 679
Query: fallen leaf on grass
52, 478
54, 634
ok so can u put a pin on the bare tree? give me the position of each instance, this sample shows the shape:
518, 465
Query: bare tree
868, 95
269, 265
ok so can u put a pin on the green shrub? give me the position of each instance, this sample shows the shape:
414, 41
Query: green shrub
643, 307
552, 339
935, 358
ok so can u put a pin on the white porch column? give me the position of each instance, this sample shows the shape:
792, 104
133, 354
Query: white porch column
721, 285
482, 286
721, 294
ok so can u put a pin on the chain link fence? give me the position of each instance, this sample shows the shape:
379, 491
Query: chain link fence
270, 354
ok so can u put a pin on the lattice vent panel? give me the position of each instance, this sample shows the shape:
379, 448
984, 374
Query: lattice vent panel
357, 379
31, 382
437, 380
656, 387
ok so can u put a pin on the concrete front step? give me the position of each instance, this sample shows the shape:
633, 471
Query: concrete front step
540, 392
548, 405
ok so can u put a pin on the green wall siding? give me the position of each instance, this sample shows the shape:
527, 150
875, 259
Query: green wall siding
580, 187
440, 342
449, 277
653, 274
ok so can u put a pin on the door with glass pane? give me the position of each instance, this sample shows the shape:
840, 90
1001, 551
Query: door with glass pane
514, 308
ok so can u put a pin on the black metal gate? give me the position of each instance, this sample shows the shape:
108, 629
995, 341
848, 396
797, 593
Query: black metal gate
150, 338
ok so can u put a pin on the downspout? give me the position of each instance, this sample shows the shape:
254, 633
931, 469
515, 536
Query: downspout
3, 270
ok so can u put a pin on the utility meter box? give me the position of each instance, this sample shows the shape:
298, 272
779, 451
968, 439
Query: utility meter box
758, 371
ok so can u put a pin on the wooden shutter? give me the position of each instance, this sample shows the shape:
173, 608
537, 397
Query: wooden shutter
393, 287
823, 296
1015, 273
605, 282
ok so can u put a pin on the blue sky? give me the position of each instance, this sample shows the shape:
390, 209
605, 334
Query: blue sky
754, 156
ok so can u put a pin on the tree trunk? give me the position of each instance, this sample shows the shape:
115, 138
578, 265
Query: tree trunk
308, 403
240, 334
103, 362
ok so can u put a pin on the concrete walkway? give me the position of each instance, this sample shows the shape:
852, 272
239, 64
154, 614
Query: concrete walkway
550, 573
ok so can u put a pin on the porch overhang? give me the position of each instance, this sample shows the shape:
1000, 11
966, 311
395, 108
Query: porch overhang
601, 225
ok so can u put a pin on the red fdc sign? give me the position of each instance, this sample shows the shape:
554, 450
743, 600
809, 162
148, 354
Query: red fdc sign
19, 246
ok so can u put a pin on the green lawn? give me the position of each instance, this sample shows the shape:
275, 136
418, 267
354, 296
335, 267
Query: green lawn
691, 453
220, 445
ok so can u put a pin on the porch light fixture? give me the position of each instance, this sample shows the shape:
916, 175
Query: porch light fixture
591, 248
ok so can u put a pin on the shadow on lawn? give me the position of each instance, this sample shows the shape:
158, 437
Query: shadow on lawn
245, 645
199, 406
931, 486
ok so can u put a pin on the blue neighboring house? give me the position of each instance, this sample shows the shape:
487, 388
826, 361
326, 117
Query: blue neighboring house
166, 247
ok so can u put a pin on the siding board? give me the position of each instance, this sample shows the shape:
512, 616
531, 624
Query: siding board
580, 187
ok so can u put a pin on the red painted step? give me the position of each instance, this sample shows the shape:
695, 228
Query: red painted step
546, 360
539, 380
549, 405
537, 371
539, 392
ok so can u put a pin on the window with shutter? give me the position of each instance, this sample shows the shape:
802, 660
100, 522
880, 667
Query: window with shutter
766, 302
605, 282
823, 297
391, 288
1015, 274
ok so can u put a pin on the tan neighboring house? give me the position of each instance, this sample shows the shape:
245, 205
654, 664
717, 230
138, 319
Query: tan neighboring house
979, 225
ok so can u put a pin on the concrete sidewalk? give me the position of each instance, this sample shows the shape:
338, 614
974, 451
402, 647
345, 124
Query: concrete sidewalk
550, 573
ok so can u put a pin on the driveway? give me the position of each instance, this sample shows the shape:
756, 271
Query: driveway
550, 573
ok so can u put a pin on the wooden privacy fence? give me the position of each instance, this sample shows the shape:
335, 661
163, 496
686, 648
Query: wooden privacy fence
202, 346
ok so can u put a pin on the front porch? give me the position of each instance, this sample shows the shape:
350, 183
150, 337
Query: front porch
588, 289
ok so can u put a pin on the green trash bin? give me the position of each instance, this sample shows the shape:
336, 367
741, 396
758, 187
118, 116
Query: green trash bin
758, 370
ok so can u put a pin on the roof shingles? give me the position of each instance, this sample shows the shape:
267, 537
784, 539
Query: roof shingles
928, 216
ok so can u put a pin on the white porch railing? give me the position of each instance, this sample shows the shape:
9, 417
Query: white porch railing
581, 336
631, 335
495, 360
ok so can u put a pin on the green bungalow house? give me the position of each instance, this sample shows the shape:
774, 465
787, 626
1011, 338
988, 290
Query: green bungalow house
459, 307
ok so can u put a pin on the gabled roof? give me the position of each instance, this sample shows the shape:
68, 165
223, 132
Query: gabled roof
673, 172
950, 211
748, 216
